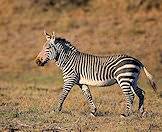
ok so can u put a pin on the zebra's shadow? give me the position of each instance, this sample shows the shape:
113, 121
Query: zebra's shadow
98, 114
103, 113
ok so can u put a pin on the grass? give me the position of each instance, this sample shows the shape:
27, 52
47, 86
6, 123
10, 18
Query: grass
30, 107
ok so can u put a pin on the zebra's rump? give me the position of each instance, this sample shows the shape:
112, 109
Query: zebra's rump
127, 65
127, 70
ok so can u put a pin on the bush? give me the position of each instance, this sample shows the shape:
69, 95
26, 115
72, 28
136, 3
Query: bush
61, 4
144, 4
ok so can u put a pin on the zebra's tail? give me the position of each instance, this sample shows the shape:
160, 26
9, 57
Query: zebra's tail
150, 78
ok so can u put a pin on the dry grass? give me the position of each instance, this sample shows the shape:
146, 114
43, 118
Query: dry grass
30, 107
29, 94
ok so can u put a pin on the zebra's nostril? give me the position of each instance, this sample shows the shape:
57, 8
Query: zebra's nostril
38, 61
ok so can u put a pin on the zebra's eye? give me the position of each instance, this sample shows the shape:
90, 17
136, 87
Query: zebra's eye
49, 47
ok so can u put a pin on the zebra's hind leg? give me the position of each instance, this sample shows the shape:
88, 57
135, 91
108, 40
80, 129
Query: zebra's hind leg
140, 93
129, 95
86, 91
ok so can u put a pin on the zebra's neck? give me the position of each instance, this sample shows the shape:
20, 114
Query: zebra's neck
65, 58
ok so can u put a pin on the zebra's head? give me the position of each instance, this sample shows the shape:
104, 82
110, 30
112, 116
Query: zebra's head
49, 50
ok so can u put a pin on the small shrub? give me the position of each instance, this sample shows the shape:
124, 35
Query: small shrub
61, 4
144, 4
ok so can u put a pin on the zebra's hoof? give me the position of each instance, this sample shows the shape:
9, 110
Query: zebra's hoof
92, 114
57, 110
126, 114
143, 114
123, 115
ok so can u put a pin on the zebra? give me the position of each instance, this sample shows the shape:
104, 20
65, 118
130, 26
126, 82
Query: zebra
84, 69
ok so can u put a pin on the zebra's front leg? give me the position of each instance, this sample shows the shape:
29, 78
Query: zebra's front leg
86, 91
66, 89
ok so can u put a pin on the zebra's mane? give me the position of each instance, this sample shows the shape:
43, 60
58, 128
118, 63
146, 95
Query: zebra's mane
65, 44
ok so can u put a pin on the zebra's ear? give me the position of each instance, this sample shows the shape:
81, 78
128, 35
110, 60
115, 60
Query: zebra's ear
53, 36
48, 36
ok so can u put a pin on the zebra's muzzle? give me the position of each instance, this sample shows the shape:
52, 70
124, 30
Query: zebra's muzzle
40, 63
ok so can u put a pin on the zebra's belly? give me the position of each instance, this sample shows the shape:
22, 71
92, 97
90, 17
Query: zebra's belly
97, 82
